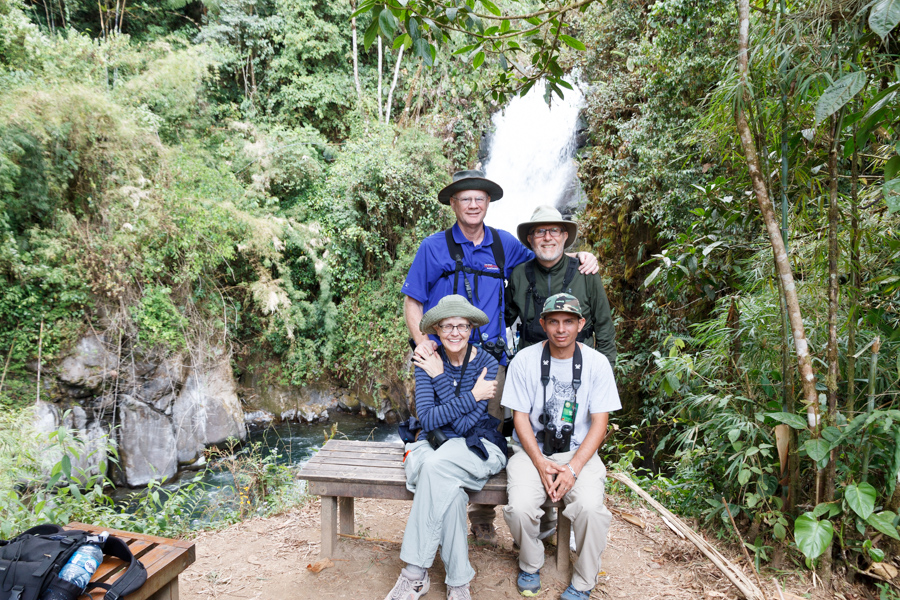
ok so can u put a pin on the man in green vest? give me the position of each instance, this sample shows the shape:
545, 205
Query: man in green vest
552, 272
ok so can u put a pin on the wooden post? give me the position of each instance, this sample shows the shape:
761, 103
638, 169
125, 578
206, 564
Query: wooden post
346, 509
329, 526
563, 533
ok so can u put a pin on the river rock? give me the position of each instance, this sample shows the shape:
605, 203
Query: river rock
207, 411
83, 372
259, 418
309, 403
147, 443
87, 440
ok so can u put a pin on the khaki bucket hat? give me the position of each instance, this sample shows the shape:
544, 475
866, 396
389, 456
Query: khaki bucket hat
470, 180
452, 306
547, 215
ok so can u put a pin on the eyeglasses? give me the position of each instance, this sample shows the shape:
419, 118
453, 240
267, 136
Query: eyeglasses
479, 200
553, 232
464, 328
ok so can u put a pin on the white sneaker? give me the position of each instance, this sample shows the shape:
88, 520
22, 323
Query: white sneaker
409, 589
458, 592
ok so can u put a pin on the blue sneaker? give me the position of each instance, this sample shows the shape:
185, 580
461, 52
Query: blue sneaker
529, 584
571, 593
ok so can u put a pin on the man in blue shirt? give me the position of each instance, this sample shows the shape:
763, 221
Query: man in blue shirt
476, 275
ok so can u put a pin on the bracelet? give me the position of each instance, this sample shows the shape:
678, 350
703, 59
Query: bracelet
573, 471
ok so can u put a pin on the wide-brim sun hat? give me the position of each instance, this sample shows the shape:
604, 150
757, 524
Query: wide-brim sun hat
547, 215
452, 306
470, 180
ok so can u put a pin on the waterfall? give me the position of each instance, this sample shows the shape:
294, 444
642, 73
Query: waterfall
531, 156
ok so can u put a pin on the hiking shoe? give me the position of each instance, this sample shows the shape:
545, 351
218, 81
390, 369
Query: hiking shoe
545, 534
484, 533
458, 592
571, 593
409, 589
529, 584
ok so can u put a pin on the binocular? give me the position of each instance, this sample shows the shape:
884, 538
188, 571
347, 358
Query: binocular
496, 349
556, 438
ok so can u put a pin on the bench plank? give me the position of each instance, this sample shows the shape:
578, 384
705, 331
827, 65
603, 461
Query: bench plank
163, 558
343, 470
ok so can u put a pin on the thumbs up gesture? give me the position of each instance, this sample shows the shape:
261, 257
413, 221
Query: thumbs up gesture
484, 389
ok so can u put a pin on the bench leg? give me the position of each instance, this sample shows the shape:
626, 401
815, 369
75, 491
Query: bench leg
167, 592
346, 506
329, 526
563, 533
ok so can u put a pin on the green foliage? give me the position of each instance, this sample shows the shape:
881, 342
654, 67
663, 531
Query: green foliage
158, 320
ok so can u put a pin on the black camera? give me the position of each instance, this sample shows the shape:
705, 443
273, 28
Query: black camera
436, 438
556, 439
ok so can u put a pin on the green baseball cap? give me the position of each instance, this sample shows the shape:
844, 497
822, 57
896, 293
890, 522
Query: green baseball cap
561, 303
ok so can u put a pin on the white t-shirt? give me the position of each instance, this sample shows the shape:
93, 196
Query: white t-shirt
523, 391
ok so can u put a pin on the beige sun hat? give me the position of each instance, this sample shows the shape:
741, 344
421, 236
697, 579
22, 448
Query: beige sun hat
547, 215
452, 306
470, 180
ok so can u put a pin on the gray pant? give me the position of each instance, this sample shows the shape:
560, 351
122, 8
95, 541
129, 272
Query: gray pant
483, 514
438, 478
583, 506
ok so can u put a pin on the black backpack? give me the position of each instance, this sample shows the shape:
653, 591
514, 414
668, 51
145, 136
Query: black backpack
31, 561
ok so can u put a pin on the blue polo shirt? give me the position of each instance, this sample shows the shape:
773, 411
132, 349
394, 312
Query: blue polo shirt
425, 284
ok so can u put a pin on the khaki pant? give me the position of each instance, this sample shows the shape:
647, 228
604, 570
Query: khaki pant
483, 514
583, 506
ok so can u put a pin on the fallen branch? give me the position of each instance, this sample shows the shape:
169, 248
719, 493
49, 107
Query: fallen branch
735, 575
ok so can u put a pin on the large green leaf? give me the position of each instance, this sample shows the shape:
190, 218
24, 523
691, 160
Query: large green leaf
884, 17
892, 195
795, 421
861, 499
812, 536
884, 522
891, 168
388, 23
838, 94
817, 449
572, 42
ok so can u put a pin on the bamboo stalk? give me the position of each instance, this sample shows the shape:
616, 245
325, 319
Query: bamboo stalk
734, 574
743, 545
40, 347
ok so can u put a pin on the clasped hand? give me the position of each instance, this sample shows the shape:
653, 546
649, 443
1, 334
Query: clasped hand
557, 479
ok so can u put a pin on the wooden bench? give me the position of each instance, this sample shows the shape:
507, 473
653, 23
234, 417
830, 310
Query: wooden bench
343, 470
163, 558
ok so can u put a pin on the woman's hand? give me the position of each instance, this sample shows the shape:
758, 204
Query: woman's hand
431, 364
484, 389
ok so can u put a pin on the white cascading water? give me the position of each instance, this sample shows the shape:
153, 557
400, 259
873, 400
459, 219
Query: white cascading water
531, 155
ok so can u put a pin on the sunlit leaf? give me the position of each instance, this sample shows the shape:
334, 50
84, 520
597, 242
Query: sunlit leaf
861, 498
817, 449
388, 24
884, 17
492, 8
892, 195
572, 42
884, 522
795, 421
838, 94
812, 535
479, 58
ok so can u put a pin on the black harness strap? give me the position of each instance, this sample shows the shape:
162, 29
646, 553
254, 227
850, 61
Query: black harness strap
531, 330
462, 371
456, 253
545, 375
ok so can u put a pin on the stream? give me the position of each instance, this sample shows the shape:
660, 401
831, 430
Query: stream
294, 443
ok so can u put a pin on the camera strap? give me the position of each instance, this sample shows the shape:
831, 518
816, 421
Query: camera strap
462, 371
545, 375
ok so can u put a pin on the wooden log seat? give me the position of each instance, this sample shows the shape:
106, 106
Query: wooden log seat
163, 558
343, 470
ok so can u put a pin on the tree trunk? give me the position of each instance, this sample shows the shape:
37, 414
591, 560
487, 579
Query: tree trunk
380, 58
783, 265
355, 55
390, 98
831, 380
404, 118
854, 280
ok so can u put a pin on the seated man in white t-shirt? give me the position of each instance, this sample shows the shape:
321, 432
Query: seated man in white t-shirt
556, 448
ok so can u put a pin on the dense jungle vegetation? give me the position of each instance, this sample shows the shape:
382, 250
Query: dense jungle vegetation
257, 174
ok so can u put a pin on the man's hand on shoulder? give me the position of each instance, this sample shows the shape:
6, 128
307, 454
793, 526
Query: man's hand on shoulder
426, 348
589, 264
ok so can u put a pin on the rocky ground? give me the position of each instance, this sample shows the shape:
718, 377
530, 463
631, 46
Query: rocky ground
270, 559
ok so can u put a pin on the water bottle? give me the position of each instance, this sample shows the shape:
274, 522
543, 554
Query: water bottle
78, 571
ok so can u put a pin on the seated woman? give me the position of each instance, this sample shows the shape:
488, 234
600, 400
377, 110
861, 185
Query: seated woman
462, 449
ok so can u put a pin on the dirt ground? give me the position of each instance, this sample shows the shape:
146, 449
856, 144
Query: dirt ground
267, 559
